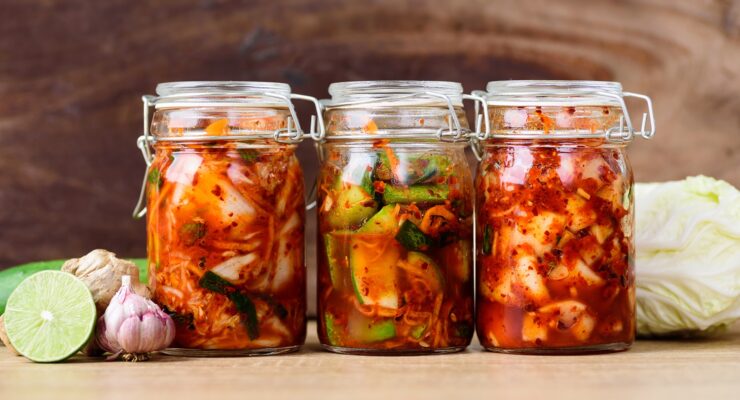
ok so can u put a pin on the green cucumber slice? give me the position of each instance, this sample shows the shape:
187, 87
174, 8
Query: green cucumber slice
384, 221
412, 238
414, 168
372, 264
366, 330
428, 194
423, 266
418, 331
352, 206
336, 245
331, 330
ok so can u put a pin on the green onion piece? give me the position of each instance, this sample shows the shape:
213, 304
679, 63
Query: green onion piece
487, 239
244, 305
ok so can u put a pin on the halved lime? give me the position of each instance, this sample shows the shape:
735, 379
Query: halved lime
50, 316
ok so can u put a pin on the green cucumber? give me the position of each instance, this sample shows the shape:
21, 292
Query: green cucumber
352, 206
373, 270
414, 168
428, 194
358, 172
331, 330
336, 244
384, 221
418, 331
423, 266
12, 277
367, 330
412, 238
383, 170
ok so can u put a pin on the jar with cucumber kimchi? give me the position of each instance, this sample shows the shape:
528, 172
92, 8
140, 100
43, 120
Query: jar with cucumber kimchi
395, 212
555, 209
225, 216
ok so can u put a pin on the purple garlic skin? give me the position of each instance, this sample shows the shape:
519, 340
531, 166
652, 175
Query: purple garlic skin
133, 326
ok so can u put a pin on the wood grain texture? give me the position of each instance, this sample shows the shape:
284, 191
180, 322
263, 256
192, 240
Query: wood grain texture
652, 370
72, 73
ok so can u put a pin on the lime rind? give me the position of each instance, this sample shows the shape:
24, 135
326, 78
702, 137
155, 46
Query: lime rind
50, 316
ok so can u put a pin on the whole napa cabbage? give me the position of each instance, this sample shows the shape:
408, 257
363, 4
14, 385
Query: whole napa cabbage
688, 256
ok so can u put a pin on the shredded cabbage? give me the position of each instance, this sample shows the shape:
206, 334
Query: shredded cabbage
688, 256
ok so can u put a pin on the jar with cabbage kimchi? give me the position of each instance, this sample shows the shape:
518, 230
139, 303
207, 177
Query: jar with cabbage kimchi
554, 202
395, 212
225, 216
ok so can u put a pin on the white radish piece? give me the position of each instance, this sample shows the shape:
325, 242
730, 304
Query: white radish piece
184, 168
231, 268
528, 277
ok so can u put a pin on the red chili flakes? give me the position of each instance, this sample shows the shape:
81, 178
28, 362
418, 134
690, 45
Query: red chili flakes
217, 191
379, 186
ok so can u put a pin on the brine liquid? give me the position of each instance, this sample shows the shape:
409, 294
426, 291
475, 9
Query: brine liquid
555, 269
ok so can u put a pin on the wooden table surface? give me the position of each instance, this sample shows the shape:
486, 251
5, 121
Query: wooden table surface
705, 369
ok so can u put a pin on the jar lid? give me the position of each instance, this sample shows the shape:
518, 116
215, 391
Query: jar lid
388, 93
222, 94
553, 93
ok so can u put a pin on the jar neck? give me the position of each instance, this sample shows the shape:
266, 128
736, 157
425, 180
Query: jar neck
548, 121
395, 123
219, 123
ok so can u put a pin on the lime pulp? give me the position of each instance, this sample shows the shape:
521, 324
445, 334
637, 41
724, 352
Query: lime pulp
50, 316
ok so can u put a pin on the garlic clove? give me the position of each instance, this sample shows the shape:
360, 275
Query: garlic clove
101, 337
152, 332
129, 336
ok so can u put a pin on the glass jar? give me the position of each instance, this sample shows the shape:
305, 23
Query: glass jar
225, 216
395, 212
554, 202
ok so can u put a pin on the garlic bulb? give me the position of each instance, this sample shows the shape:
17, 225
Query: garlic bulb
101, 271
133, 326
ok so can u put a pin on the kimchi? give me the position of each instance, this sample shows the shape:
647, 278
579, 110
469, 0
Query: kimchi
554, 226
225, 230
395, 239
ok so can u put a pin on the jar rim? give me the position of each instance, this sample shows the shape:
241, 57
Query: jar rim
222, 94
181, 88
553, 92
395, 93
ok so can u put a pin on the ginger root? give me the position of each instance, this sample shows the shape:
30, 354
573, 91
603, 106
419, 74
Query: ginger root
4, 337
101, 271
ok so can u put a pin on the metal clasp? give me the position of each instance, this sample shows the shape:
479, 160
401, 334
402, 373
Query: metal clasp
288, 135
625, 131
480, 102
481, 118
144, 143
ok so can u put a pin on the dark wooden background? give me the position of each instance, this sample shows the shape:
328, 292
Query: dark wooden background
72, 73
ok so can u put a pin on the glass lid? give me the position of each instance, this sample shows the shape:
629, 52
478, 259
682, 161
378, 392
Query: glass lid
225, 93
553, 92
394, 93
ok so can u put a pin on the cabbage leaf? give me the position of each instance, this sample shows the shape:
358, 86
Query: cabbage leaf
687, 236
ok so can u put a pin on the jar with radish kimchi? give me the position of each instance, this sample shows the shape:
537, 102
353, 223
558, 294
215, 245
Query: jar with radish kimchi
395, 212
555, 243
225, 216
